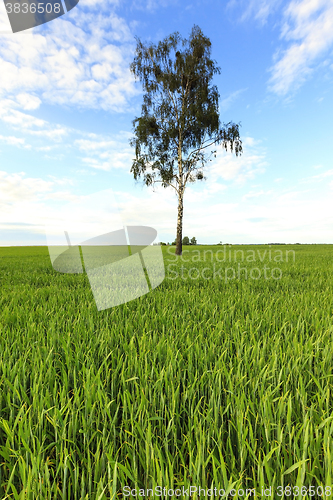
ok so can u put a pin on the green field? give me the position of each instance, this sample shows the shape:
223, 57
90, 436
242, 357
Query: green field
216, 382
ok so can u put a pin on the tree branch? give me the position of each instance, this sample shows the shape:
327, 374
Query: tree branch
166, 182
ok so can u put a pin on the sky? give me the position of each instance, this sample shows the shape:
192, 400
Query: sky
68, 99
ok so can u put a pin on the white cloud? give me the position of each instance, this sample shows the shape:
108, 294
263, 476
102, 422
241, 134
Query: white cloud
44, 148
55, 134
28, 101
15, 188
259, 9
208, 190
110, 160
288, 216
14, 141
228, 101
98, 164
61, 182
59, 65
106, 154
28, 123
284, 217
26, 202
319, 177
16, 118
308, 27
255, 194
292, 196
239, 169
152, 5
88, 145
4, 21
98, 5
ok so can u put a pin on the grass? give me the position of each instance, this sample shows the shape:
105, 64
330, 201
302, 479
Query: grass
205, 382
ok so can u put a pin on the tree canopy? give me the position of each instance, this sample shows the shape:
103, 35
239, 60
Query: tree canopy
180, 115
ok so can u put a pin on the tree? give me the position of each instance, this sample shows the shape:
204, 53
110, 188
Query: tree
179, 118
193, 241
186, 240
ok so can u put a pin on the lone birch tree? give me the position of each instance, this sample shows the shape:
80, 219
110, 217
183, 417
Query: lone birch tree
180, 117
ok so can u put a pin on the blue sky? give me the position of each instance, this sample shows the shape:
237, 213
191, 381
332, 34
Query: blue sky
67, 101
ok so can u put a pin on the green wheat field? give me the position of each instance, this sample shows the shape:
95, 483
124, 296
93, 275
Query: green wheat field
218, 383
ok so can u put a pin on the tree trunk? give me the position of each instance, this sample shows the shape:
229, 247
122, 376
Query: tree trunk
181, 187
179, 246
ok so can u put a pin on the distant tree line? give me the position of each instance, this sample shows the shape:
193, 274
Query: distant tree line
185, 241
